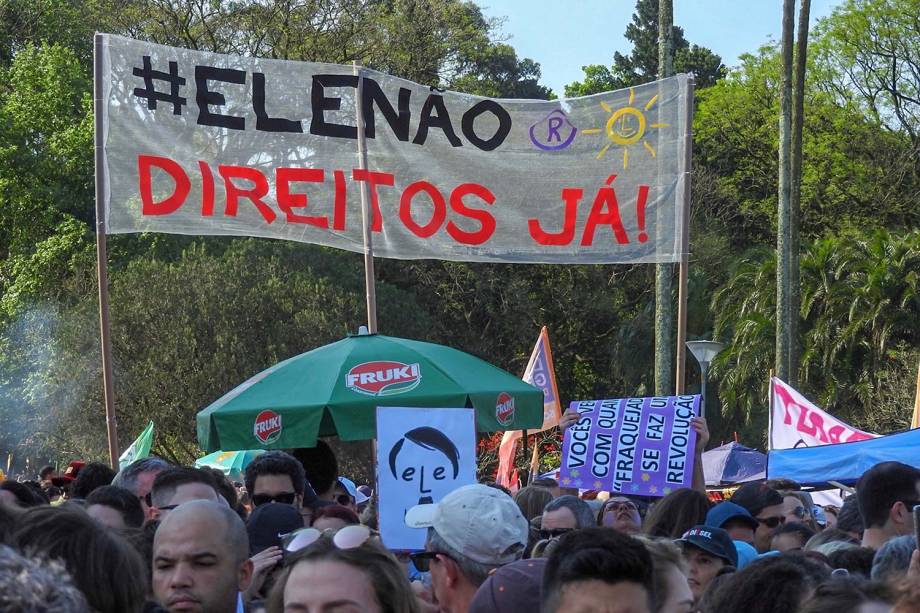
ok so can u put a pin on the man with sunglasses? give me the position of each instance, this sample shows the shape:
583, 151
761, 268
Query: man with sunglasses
765, 504
565, 514
137, 477
275, 476
471, 532
887, 494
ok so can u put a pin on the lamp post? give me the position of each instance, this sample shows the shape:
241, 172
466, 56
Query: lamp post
704, 352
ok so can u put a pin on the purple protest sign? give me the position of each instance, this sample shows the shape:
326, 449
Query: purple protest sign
641, 446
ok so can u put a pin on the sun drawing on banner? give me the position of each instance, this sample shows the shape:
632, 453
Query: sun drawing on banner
627, 126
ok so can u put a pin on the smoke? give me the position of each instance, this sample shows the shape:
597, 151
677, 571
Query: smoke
40, 388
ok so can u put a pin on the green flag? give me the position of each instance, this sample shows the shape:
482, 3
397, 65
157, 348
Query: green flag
139, 449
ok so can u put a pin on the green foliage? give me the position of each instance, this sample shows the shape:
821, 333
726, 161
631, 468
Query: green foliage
860, 305
641, 65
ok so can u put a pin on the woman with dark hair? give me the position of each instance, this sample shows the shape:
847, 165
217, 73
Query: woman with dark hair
349, 569
103, 566
676, 513
776, 584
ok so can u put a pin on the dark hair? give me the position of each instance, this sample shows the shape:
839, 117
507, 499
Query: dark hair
9, 515
224, 487
275, 463
849, 518
546, 482
801, 530
386, 575
532, 500
121, 500
104, 567
429, 438
141, 539
787, 579
676, 513
90, 477
338, 512
856, 560
25, 495
45, 471
584, 516
782, 483
319, 464
599, 554
846, 595
755, 497
166, 482
498, 486
881, 487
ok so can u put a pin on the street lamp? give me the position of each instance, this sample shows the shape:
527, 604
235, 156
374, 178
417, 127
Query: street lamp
704, 352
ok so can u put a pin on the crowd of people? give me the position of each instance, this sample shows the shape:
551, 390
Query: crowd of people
295, 536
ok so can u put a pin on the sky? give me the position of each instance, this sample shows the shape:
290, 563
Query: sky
565, 35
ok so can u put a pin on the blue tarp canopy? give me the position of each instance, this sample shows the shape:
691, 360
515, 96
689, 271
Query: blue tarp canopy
843, 462
733, 463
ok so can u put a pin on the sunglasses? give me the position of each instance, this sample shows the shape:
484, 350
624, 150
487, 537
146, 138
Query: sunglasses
771, 522
349, 537
617, 505
422, 559
554, 533
284, 498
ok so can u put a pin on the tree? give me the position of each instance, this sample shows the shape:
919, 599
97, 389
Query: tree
870, 52
641, 65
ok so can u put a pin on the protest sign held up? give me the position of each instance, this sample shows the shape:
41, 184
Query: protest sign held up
641, 446
422, 455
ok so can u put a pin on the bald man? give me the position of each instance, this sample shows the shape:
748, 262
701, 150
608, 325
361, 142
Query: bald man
200, 559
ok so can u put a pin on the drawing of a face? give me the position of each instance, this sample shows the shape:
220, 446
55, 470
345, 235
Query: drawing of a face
427, 462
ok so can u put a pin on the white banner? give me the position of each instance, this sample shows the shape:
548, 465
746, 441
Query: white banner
796, 422
201, 143
422, 455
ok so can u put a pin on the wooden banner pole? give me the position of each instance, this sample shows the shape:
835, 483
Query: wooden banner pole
369, 286
108, 386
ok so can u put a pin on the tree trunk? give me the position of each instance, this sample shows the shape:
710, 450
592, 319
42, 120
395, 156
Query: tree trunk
783, 214
795, 207
664, 273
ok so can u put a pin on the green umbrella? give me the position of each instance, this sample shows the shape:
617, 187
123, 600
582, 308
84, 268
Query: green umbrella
335, 389
231, 463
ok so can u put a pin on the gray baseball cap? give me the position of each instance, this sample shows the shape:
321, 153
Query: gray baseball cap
480, 522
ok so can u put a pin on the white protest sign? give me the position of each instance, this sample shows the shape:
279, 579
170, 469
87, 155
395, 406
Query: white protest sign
422, 455
208, 144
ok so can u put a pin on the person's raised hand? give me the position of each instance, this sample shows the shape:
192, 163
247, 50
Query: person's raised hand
701, 428
262, 563
568, 419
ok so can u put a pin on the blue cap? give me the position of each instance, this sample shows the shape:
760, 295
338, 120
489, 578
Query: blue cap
714, 541
724, 512
746, 553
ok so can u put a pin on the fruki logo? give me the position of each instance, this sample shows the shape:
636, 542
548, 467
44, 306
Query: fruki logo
383, 378
267, 427
504, 409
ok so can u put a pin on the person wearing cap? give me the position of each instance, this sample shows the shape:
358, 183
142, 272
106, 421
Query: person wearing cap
707, 550
734, 519
471, 532
347, 494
